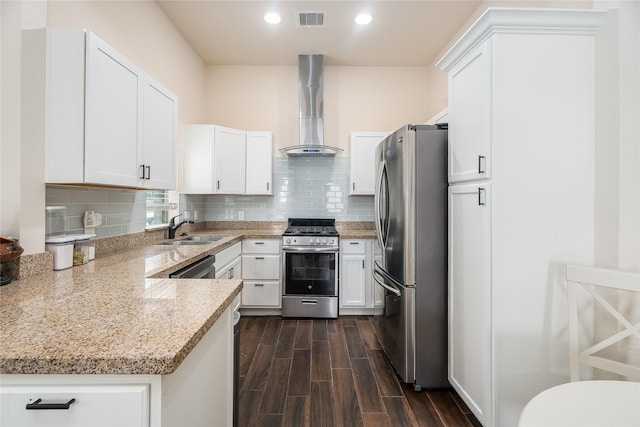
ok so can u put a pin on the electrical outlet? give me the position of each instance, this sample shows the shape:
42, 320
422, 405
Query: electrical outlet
92, 219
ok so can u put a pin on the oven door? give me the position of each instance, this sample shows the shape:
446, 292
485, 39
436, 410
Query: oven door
310, 271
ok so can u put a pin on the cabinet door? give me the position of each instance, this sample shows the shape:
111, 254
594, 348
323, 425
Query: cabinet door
198, 159
261, 267
470, 116
94, 405
263, 293
159, 136
352, 281
233, 270
259, 163
470, 296
229, 160
113, 112
362, 161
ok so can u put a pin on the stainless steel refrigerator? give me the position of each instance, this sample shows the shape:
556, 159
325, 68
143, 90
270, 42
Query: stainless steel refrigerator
411, 227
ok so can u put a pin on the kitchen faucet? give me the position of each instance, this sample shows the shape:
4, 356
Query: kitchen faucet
173, 227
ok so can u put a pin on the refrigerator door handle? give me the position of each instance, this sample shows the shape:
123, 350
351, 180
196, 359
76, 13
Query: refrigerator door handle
381, 229
379, 272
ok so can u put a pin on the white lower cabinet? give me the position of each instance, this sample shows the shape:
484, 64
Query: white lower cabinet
199, 392
358, 292
75, 405
228, 262
261, 267
469, 295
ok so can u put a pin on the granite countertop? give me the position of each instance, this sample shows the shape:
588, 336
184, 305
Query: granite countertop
115, 315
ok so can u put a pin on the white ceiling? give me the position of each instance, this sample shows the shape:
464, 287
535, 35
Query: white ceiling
404, 33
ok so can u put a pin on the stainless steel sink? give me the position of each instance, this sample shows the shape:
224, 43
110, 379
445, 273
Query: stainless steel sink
183, 242
202, 238
191, 240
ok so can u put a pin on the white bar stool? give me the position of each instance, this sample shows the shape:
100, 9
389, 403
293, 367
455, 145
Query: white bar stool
593, 403
585, 403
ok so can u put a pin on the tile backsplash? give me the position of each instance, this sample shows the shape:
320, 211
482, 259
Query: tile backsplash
303, 187
123, 211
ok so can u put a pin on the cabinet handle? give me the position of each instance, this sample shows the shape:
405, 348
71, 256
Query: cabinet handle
231, 273
259, 257
363, 264
267, 186
353, 186
259, 243
482, 198
482, 164
142, 171
37, 405
258, 284
354, 243
148, 168
218, 185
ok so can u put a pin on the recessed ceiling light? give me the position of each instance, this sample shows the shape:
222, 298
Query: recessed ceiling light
272, 18
363, 19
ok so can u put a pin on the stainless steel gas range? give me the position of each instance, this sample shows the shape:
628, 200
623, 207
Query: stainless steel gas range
310, 268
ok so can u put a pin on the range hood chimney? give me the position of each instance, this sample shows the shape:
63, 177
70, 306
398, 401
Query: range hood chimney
311, 102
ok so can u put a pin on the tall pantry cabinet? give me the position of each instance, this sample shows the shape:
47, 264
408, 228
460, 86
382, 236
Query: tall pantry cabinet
521, 200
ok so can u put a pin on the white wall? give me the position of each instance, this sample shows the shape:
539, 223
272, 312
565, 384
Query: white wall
355, 99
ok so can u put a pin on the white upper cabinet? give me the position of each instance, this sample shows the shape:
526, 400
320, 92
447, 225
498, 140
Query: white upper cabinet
113, 111
470, 109
362, 161
96, 113
229, 151
198, 159
220, 160
214, 160
259, 163
159, 136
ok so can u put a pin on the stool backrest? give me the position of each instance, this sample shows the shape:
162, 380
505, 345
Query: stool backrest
592, 279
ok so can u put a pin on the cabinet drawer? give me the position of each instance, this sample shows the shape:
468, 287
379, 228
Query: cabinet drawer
261, 267
226, 256
353, 246
261, 293
261, 246
94, 405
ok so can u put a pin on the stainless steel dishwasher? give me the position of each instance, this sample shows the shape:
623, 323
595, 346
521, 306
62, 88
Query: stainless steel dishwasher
201, 269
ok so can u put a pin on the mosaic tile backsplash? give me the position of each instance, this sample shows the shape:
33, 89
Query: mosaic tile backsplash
303, 187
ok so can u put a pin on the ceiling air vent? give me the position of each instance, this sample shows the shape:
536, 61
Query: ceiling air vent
310, 19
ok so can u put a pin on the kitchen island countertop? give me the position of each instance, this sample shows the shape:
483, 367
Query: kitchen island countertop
118, 314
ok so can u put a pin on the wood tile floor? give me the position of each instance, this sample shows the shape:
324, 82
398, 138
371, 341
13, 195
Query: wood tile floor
330, 372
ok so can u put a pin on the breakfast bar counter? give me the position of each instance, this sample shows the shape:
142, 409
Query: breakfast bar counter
119, 314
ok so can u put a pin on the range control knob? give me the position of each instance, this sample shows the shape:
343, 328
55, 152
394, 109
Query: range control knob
318, 241
324, 241
288, 241
331, 242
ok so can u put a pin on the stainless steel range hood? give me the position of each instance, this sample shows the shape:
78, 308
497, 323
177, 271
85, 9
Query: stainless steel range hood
311, 102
